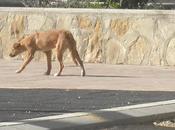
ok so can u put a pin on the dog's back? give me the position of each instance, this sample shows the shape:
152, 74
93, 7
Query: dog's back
48, 40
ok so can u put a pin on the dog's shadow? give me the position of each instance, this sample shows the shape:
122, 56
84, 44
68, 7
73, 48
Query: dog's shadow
100, 76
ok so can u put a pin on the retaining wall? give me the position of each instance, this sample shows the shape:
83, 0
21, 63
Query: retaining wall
142, 37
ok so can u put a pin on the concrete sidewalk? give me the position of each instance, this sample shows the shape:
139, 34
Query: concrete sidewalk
99, 76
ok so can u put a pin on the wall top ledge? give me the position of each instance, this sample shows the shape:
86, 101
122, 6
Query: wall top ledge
91, 11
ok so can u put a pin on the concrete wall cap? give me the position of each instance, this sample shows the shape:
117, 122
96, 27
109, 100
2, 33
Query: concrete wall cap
80, 10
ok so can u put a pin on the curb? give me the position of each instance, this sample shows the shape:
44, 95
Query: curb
142, 113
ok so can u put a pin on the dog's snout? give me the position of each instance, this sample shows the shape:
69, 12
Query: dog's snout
11, 55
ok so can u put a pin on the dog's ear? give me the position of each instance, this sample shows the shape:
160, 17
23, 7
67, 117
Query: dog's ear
37, 34
17, 45
21, 38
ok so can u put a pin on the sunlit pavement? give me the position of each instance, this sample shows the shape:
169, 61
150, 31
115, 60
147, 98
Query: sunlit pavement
98, 76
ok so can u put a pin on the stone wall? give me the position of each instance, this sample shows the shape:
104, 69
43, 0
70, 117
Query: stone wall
103, 36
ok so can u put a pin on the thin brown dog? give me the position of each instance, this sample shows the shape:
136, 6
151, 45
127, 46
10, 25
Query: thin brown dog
45, 42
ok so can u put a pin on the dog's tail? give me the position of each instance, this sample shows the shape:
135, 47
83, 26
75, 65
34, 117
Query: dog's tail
71, 38
72, 46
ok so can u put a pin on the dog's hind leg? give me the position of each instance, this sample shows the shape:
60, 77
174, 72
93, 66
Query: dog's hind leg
49, 62
77, 57
60, 50
60, 59
74, 59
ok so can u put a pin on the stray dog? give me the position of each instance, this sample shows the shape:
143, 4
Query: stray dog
45, 42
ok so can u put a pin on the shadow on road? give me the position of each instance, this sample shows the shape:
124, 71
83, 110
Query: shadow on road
17, 104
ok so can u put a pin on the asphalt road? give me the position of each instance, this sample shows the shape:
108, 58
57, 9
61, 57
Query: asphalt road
16, 104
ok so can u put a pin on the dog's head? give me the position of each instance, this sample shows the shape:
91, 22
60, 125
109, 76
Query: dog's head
17, 48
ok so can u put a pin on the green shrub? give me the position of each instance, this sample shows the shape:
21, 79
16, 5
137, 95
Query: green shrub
96, 5
114, 5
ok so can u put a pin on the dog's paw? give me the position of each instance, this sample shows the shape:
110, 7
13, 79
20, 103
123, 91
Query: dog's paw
18, 71
56, 74
46, 73
83, 73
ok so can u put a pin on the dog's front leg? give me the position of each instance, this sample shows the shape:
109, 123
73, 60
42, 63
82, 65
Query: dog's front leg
27, 61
